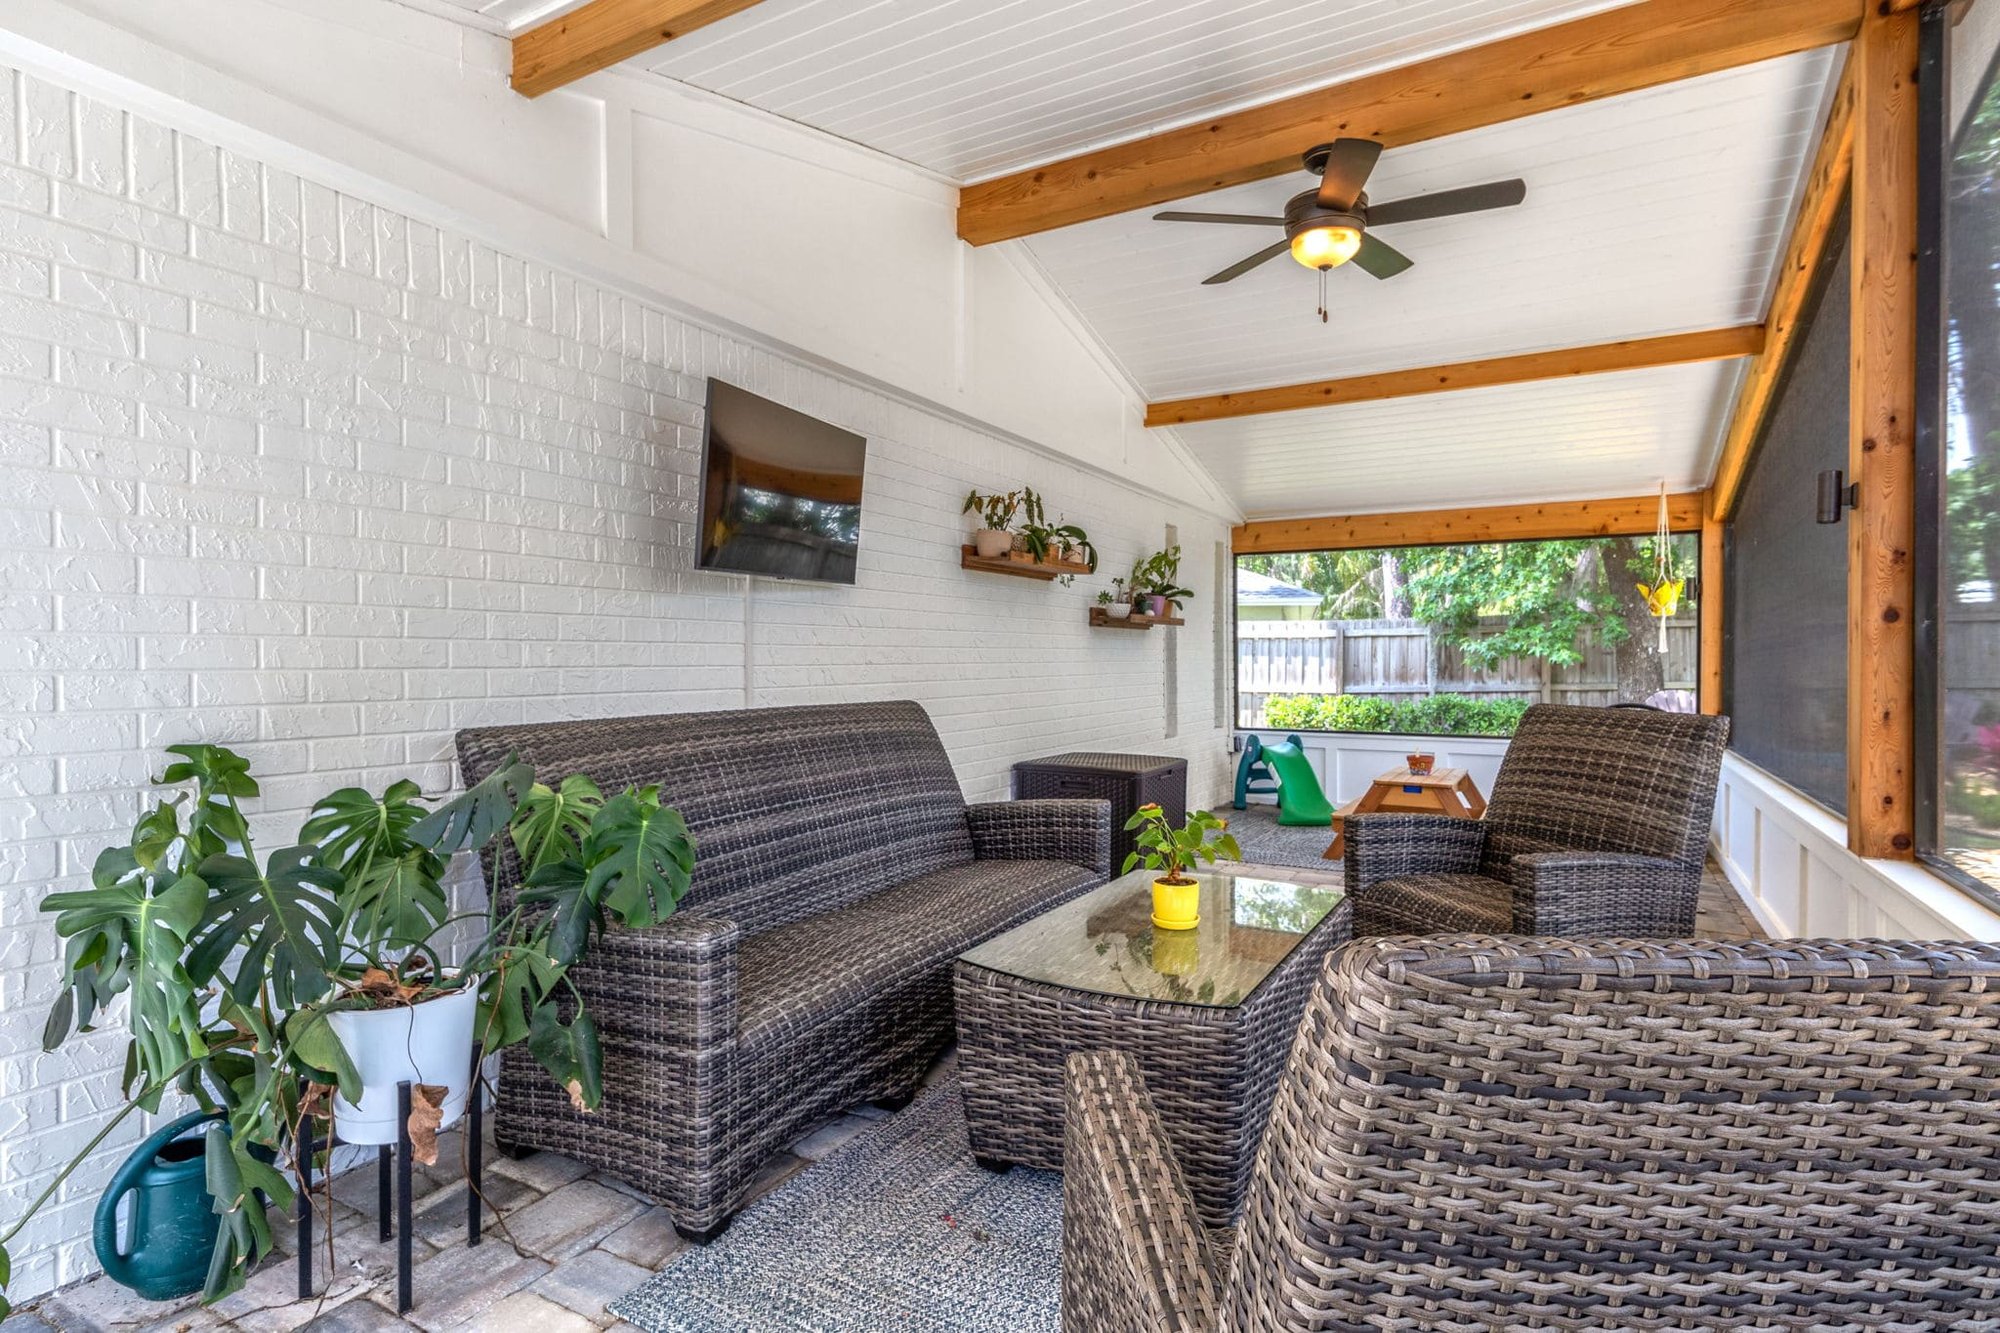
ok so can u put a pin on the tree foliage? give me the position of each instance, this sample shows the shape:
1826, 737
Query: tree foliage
1553, 596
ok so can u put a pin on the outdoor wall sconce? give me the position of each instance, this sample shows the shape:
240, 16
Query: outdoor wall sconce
1835, 494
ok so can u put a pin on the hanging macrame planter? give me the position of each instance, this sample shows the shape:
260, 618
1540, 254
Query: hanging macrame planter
1663, 598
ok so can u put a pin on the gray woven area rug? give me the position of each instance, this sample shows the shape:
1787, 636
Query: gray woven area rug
1266, 842
897, 1229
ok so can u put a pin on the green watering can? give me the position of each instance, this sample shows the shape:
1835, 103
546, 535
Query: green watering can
172, 1229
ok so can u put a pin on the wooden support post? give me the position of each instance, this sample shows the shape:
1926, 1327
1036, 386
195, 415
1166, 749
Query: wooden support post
1881, 619
1709, 607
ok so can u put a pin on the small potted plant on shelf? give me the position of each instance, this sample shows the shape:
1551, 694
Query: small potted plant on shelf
1172, 853
1115, 607
995, 538
1074, 549
1155, 583
1035, 543
1063, 545
278, 992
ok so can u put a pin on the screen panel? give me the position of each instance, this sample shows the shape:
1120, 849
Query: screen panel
1786, 604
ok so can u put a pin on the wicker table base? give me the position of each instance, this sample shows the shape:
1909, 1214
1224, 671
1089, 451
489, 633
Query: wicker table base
1212, 1069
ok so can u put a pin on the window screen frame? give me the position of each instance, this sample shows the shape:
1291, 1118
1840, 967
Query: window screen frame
1937, 144
1699, 580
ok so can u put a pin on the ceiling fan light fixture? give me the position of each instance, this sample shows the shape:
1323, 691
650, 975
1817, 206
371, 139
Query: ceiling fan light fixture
1326, 247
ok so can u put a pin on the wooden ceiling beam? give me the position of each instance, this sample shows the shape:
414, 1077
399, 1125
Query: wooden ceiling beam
604, 32
1621, 50
1634, 515
1602, 358
1819, 211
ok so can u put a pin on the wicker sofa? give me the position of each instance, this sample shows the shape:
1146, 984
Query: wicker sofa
838, 873
1476, 1133
1598, 826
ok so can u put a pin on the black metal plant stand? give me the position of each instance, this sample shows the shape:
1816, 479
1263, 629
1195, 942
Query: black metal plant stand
392, 1178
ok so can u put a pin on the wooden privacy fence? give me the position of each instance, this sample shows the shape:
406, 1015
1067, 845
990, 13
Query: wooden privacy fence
1400, 659
1971, 664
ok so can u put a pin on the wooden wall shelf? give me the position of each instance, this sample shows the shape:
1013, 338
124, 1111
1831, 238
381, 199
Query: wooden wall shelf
1100, 620
968, 558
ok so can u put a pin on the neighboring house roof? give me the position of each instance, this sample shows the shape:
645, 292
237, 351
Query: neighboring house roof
1263, 590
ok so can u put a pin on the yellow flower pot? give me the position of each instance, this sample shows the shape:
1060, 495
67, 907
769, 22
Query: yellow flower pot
1176, 906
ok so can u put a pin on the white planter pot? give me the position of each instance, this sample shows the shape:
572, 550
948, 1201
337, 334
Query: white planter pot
1119, 610
992, 543
423, 1043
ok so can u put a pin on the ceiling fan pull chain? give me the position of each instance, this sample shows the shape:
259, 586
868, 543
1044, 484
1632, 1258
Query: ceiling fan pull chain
1322, 296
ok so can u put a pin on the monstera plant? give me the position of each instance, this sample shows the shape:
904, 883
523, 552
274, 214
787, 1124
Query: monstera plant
233, 967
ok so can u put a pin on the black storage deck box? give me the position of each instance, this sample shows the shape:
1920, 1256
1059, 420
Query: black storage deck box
1128, 781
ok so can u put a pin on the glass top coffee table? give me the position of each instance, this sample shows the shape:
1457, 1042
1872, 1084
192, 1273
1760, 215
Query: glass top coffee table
1209, 1013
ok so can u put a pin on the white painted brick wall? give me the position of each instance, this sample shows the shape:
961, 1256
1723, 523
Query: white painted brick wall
289, 472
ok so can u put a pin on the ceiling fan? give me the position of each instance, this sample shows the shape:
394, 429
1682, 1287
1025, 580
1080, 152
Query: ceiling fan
1330, 226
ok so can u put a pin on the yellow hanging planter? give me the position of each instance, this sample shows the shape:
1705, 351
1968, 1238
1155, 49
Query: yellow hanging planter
1663, 599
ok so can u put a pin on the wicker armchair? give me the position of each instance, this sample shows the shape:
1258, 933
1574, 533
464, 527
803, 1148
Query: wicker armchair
1473, 1133
838, 873
1598, 826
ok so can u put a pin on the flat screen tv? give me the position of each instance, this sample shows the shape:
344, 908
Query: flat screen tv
780, 491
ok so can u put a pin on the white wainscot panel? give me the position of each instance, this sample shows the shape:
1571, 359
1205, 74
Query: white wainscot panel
1829, 904
1787, 856
1780, 873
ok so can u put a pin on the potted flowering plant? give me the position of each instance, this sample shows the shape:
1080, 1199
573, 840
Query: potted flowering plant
1172, 852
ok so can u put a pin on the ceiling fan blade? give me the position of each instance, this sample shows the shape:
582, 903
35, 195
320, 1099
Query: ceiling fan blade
1242, 266
1244, 219
1348, 165
1448, 203
1380, 259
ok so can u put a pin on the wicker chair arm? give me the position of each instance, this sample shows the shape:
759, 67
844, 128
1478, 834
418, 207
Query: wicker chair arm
1135, 1256
1603, 893
1043, 830
1388, 846
675, 982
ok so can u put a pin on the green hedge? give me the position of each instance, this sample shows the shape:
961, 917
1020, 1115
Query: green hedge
1429, 715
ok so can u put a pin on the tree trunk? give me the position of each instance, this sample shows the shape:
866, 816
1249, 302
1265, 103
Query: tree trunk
1394, 605
1642, 667
1973, 220
1975, 317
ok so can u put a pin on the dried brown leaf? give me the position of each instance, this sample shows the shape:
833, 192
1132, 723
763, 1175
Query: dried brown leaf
426, 1114
313, 1105
576, 1096
377, 984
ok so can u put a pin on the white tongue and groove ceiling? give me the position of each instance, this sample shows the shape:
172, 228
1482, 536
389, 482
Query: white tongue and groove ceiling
1573, 439
1657, 212
978, 88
